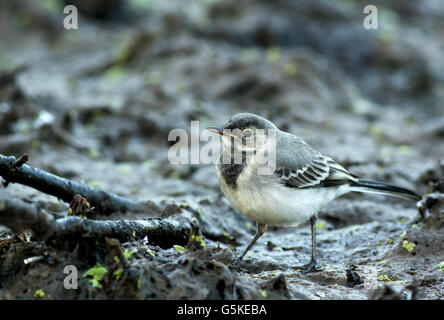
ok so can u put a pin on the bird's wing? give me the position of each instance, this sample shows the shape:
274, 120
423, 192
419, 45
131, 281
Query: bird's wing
299, 166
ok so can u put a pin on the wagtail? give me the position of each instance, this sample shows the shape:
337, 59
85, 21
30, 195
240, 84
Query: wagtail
301, 183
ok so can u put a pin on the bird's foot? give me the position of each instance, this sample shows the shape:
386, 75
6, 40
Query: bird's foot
309, 267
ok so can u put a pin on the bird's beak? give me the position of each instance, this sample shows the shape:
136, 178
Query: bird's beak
218, 130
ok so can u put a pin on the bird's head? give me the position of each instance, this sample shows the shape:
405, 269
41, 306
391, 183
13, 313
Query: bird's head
245, 132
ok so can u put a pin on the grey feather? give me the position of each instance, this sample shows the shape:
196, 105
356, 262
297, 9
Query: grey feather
299, 166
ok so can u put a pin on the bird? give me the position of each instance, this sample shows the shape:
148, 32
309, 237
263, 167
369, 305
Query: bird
301, 181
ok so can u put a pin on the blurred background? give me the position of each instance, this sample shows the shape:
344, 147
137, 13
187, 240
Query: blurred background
96, 104
134, 70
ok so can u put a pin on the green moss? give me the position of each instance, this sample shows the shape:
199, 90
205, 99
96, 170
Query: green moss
39, 294
384, 277
115, 73
375, 131
93, 154
264, 293
148, 164
354, 228
125, 169
290, 69
386, 36
134, 190
178, 248
384, 153
150, 252
389, 25
199, 240
441, 266
273, 54
128, 253
409, 246
320, 225
94, 184
404, 150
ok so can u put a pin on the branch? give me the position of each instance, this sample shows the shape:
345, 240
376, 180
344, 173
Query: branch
13, 170
18, 216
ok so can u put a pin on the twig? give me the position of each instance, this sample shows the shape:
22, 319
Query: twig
19, 162
13, 170
18, 216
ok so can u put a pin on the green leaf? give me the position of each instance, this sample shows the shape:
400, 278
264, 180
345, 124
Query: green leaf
97, 273
118, 274
95, 283
150, 252
128, 253
178, 248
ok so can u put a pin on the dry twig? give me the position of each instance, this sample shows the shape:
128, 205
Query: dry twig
18, 216
14, 170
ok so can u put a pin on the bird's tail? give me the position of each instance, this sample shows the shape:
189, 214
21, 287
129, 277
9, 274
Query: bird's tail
364, 185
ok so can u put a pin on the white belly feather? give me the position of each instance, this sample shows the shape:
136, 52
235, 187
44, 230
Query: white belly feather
265, 200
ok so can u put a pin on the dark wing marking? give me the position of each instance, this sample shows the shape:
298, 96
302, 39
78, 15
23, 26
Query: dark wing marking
300, 166
319, 172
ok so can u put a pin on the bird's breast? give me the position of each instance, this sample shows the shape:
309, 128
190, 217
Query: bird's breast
264, 199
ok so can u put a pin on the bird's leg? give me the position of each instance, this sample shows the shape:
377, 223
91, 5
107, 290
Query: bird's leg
261, 228
311, 266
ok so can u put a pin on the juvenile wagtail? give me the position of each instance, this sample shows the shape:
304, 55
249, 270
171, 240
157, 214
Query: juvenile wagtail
301, 183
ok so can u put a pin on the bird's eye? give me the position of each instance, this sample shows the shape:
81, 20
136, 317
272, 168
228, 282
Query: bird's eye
247, 133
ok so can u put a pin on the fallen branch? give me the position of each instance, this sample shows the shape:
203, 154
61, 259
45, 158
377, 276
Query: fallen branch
14, 170
18, 215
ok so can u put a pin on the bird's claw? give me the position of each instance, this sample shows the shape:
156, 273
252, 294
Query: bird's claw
309, 267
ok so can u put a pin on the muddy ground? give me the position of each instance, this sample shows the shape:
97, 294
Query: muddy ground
95, 105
